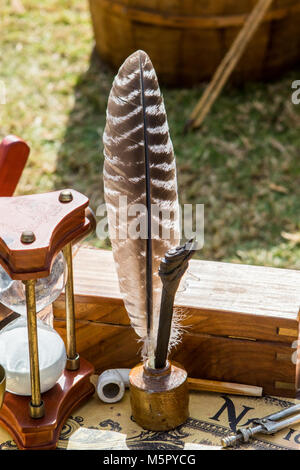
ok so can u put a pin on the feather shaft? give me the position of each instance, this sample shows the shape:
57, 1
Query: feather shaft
149, 287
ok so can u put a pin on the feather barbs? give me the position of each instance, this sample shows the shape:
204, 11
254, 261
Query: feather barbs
140, 165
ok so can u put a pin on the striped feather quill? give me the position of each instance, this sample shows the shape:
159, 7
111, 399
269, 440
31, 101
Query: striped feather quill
139, 164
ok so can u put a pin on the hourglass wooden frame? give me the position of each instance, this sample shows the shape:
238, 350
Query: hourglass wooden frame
33, 230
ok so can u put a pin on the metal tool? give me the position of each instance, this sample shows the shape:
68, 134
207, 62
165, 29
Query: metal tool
267, 425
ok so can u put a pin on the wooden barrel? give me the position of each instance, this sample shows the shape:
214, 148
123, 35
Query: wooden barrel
187, 39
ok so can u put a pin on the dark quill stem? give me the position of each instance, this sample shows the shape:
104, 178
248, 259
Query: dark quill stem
149, 287
171, 270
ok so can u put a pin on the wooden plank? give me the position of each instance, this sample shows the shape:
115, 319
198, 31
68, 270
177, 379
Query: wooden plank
147, 16
201, 27
106, 311
218, 298
233, 360
255, 290
206, 357
105, 346
240, 323
101, 311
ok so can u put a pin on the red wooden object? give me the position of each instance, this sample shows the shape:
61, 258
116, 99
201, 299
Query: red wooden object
31, 434
13, 157
54, 221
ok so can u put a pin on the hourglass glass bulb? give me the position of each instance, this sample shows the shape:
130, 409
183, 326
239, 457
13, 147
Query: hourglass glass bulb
47, 290
14, 348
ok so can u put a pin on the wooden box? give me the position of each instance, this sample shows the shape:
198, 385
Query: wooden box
241, 322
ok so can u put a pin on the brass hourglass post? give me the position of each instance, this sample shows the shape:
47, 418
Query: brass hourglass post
73, 360
36, 406
2, 385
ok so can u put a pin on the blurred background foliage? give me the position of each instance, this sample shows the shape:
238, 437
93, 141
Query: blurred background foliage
243, 164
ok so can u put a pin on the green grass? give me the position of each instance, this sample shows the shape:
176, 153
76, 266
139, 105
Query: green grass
244, 164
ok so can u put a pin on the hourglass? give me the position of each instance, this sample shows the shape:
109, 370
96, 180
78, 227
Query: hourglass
45, 379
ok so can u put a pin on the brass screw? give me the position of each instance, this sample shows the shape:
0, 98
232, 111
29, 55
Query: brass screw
27, 237
66, 196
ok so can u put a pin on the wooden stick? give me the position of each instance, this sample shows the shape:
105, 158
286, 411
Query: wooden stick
228, 64
224, 387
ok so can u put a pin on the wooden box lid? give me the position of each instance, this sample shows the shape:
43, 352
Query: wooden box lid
223, 299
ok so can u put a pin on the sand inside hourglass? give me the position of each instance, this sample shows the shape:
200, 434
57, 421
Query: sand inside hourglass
14, 355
